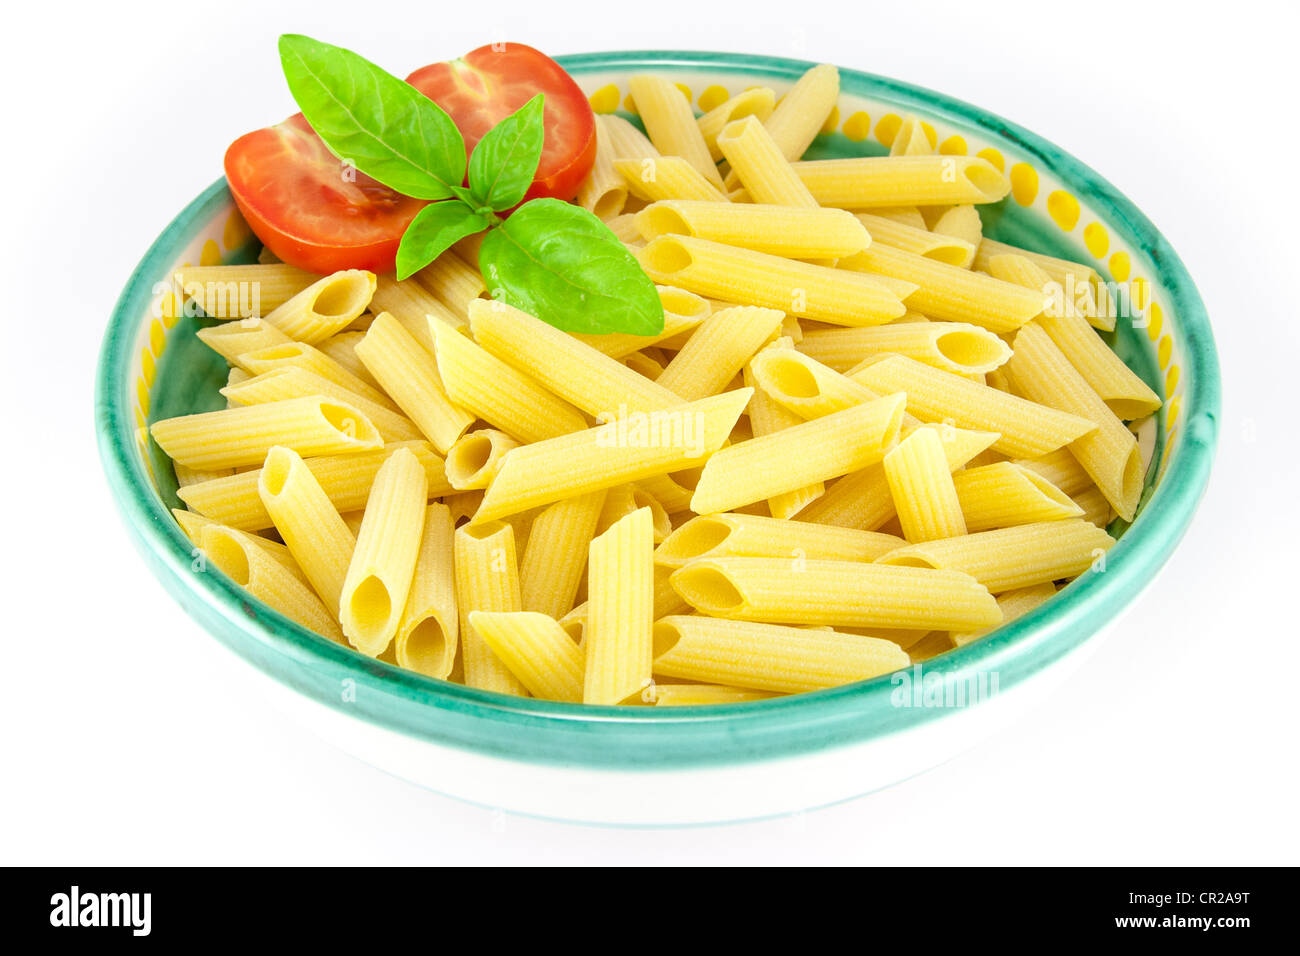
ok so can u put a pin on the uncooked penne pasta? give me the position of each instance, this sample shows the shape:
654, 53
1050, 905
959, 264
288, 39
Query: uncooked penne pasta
291, 381
240, 292
911, 139
1061, 468
757, 162
962, 224
234, 437
666, 177
313, 360
242, 558
847, 593
956, 347
383, 564
800, 114
779, 230
189, 476
699, 695
232, 339
1009, 558
556, 555
921, 242
409, 373
757, 102
766, 656
747, 277
626, 141
718, 350
536, 650
951, 292
1109, 453
604, 191
453, 282
428, 634
327, 306
487, 579
1005, 494
902, 181
826, 447
803, 386
670, 124
626, 449
766, 416
342, 349
412, 304
683, 313
476, 457
737, 535
620, 611
921, 485
1026, 429
316, 536
1014, 604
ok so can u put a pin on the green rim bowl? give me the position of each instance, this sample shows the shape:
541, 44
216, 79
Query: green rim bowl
151, 367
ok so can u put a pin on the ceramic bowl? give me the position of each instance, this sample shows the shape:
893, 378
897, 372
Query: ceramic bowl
645, 765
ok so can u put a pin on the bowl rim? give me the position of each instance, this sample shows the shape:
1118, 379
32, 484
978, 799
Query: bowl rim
649, 738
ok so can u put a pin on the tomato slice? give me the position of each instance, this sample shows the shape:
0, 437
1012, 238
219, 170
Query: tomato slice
488, 84
309, 208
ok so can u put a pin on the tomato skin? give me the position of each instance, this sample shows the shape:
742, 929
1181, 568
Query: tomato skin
308, 208
488, 84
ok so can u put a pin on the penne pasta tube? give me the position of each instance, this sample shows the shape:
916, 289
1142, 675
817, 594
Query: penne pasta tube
867, 182
702, 695
756, 278
769, 657
604, 191
409, 373
291, 381
803, 110
383, 564
476, 457
921, 242
555, 558
536, 650
956, 347
718, 350
617, 638
921, 484
778, 230
232, 339
838, 593
242, 558
670, 124
592, 381
827, 447
757, 102
961, 224
316, 536
1010, 558
1060, 468
313, 360
626, 141
863, 499
737, 535
666, 177
412, 304
683, 313
234, 437
193, 524
342, 349
189, 476
346, 480
1109, 453
327, 306
241, 292
911, 139
1064, 271
626, 449
487, 579
766, 416
1005, 494
1025, 428
758, 163
1014, 604
953, 293
452, 281
1096, 509
805, 387
428, 634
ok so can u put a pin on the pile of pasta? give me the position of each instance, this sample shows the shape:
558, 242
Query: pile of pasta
865, 436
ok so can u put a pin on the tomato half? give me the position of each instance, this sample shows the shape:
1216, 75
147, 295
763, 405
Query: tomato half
487, 85
308, 207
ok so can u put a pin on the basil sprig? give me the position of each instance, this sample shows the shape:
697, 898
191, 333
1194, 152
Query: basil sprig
550, 258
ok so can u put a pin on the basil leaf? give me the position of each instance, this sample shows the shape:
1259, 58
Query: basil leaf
505, 160
388, 128
563, 265
433, 230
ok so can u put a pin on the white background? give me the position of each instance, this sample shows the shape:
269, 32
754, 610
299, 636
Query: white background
126, 733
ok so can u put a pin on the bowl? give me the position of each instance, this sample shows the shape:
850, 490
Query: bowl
664, 766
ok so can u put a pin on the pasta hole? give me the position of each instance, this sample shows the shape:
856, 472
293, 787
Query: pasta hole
791, 377
346, 295
984, 176
610, 203
667, 255
909, 561
370, 607
425, 649
696, 539
972, 350
707, 589
665, 221
467, 458
666, 636
481, 532
683, 303
275, 472
349, 422
948, 254
278, 353
227, 553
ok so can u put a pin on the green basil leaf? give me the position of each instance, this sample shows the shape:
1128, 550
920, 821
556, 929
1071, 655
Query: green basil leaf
563, 265
433, 230
390, 130
505, 160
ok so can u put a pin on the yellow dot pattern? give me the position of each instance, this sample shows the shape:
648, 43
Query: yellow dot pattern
953, 146
1024, 183
1096, 238
887, 128
1064, 209
605, 99
994, 158
857, 127
1120, 267
832, 122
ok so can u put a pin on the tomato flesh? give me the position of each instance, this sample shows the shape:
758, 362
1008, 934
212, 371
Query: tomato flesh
488, 84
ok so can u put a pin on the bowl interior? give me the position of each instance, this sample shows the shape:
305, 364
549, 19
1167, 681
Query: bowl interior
154, 367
